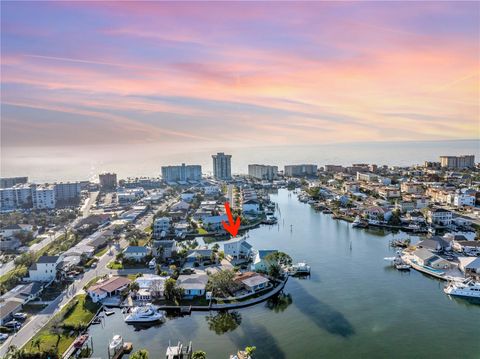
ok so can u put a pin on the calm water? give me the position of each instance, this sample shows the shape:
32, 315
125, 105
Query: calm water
43, 164
353, 305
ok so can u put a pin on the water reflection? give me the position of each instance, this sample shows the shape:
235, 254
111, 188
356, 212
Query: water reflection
224, 322
279, 302
323, 315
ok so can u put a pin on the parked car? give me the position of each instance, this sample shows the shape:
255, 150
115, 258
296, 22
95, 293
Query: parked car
13, 324
3, 336
20, 316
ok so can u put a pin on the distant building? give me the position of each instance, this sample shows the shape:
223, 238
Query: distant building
129, 195
161, 224
67, 193
457, 162
108, 181
6, 182
44, 197
412, 187
334, 168
263, 172
182, 173
439, 216
222, 168
18, 196
300, 170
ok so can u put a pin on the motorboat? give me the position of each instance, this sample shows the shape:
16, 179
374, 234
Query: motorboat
115, 345
145, 314
299, 268
358, 223
468, 288
398, 262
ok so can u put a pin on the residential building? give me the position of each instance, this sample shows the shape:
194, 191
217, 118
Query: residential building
222, 168
129, 195
351, 187
237, 248
108, 288
388, 192
470, 266
136, 253
8, 308
367, 177
180, 206
463, 199
251, 206
45, 269
151, 286
426, 258
187, 196
108, 181
182, 173
9, 244
7, 182
457, 162
193, 285
300, 170
18, 196
214, 223
252, 281
439, 216
161, 225
259, 262
67, 193
13, 229
164, 249
263, 172
199, 255
412, 187
44, 197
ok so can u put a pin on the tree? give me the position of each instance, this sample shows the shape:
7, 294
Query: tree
134, 286
222, 283
224, 322
249, 351
140, 354
281, 258
37, 342
216, 247
172, 291
199, 354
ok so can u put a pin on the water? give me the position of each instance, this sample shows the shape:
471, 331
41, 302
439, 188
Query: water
353, 305
50, 164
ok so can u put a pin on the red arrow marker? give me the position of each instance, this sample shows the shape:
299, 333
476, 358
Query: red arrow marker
231, 227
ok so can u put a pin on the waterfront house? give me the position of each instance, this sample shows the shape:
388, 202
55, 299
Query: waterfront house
107, 288
375, 213
237, 248
251, 206
435, 244
460, 244
470, 266
214, 223
193, 285
44, 269
259, 262
137, 253
151, 286
426, 258
439, 216
163, 249
252, 281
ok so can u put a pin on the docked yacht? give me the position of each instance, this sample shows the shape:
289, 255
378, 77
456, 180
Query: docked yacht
145, 314
116, 345
467, 288
358, 223
299, 268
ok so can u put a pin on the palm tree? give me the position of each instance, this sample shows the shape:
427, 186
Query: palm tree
37, 342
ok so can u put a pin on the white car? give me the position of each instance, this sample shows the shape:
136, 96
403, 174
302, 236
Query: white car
3, 336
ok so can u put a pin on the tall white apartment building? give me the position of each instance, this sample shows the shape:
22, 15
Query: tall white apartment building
44, 197
263, 172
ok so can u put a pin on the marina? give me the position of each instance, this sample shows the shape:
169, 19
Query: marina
338, 307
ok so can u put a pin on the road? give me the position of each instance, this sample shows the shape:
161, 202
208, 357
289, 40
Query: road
88, 203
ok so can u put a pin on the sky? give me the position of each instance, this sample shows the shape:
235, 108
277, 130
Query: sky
244, 74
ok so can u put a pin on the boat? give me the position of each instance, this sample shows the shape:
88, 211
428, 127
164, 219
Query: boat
358, 223
179, 351
115, 345
109, 312
468, 288
299, 268
97, 320
145, 314
80, 341
402, 266
398, 262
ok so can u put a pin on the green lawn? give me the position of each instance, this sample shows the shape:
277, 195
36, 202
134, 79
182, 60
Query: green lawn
12, 278
79, 311
202, 231
115, 265
101, 252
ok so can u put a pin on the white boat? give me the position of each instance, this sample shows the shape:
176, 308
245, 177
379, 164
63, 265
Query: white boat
299, 268
145, 314
467, 288
116, 344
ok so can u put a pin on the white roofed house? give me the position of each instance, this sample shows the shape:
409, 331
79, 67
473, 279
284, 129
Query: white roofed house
237, 248
45, 269
137, 253
180, 206
426, 258
439, 216
193, 285
470, 266
163, 249
151, 286
214, 223
259, 262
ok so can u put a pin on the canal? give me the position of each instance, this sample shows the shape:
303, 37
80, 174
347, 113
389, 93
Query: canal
352, 305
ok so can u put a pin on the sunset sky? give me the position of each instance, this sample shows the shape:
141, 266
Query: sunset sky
249, 73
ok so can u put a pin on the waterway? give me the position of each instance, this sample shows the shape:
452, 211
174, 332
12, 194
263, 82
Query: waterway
352, 305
